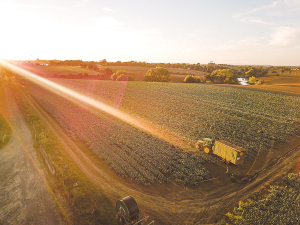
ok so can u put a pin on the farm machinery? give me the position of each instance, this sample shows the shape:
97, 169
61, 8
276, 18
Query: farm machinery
128, 212
229, 153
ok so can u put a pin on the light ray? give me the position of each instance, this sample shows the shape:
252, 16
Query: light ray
162, 133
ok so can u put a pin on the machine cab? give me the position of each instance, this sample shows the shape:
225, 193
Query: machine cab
205, 144
207, 141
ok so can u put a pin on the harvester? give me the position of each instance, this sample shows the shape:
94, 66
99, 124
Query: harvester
128, 212
229, 153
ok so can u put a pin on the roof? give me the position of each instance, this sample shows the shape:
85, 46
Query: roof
237, 148
207, 139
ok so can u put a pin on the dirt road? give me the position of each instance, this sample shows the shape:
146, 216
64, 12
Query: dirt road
24, 196
169, 204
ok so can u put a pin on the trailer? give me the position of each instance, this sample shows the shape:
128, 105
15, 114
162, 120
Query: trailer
229, 153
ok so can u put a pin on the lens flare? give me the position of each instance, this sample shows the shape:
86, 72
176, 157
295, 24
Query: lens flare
143, 125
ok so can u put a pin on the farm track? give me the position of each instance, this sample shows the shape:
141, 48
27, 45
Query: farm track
178, 205
24, 194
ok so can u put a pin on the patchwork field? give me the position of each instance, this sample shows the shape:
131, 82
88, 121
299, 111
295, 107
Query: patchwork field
284, 83
251, 119
137, 72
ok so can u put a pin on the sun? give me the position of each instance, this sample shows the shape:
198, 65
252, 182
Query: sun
17, 33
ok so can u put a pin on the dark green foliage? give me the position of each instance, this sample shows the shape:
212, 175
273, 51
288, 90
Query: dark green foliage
92, 66
157, 75
120, 75
192, 79
224, 76
108, 71
255, 72
281, 206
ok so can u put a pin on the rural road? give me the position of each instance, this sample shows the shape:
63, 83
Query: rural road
24, 196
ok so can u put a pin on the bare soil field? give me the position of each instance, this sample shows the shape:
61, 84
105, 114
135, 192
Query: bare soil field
24, 194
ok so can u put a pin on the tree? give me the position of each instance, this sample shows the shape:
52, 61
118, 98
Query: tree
108, 72
92, 66
119, 75
122, 77
192, 79
157, 75
252, 80
250, 73
103, 62
222, 76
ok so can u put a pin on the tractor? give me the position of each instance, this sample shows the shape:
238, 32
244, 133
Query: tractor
205, 144
229, 152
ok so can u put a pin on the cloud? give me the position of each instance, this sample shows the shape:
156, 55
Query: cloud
272, 5
248, 42
245, 16
292, 2
108, 22
260, 21
286, 36
108, 9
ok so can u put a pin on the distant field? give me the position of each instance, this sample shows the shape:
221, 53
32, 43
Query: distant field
59, 70
285, 83
138, 72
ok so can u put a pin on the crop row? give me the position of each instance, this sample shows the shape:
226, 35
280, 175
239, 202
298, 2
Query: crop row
252, 119
127, 150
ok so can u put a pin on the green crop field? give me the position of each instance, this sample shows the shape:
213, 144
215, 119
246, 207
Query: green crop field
251, 119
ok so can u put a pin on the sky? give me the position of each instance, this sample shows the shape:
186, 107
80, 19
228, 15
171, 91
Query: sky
236, 32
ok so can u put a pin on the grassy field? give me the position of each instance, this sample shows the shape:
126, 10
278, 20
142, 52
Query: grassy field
5, 130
